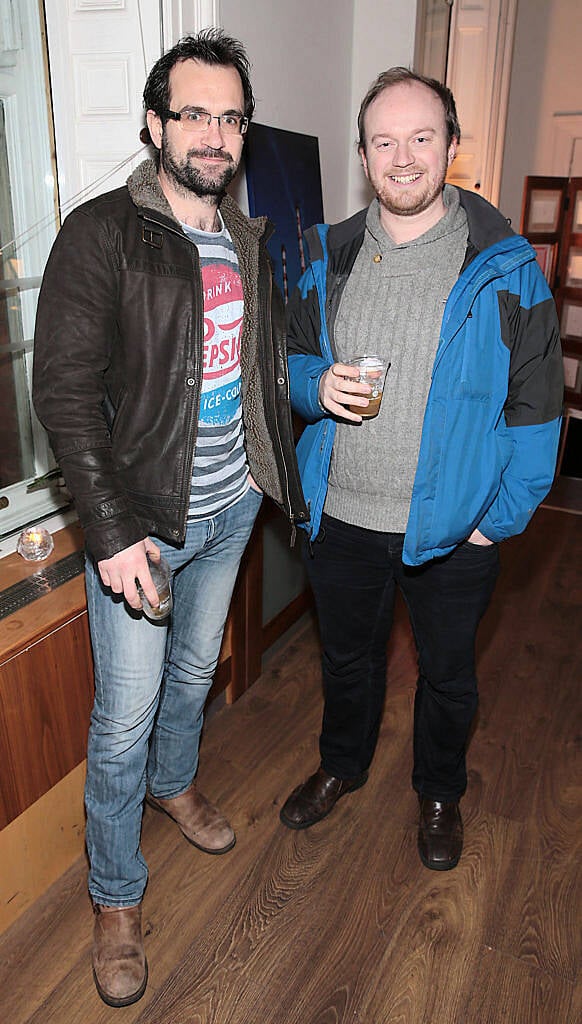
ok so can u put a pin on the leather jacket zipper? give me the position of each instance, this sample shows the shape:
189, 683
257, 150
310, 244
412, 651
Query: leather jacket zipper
193, 362
266, 327
192, 372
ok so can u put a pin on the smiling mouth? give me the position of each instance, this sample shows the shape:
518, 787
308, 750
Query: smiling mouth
210, 157
404, 179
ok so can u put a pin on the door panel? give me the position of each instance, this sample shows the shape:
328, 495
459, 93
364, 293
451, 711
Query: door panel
99, 55
478, 73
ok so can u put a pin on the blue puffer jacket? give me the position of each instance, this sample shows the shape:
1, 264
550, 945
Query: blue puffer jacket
492, 419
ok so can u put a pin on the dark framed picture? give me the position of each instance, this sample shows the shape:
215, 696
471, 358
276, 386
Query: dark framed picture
571, 320
543, 207
574, 268
546, 257
572, 373
544, 211
284, 183
577, 218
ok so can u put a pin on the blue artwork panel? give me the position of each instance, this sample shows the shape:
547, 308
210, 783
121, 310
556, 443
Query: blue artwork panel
284, 182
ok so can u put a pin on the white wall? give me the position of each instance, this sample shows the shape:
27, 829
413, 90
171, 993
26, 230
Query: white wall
301, 52
546, 79
384, 33
313, 61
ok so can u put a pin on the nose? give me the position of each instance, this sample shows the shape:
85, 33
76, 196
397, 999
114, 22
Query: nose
213, 135
402, 155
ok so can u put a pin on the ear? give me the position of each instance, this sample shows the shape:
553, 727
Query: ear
362, 153
155, 128
452, 151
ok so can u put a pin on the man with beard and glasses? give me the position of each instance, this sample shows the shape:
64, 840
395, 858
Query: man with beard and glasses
432, 279
160, 374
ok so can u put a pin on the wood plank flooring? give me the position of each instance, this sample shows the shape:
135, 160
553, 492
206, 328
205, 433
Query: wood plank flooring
341, 924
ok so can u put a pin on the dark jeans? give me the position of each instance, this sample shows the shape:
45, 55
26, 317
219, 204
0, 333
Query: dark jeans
353, 573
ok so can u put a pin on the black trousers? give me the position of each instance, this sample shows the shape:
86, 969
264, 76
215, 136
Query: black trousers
354, 573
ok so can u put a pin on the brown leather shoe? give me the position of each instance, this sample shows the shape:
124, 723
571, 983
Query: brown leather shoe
120, 968
200, 822
440, 834
314, 800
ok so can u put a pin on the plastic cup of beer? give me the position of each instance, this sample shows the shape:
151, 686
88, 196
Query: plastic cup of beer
372, 371
162, 579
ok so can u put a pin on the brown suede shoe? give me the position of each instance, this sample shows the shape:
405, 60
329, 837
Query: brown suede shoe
200, 822
120, 968
440, 834
314, 800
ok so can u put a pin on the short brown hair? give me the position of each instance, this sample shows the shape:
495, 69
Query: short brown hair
394, 76
211, 46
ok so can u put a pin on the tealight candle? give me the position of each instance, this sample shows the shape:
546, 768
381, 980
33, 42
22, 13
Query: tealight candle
35, 543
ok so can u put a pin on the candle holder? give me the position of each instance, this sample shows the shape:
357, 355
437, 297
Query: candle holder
35, 544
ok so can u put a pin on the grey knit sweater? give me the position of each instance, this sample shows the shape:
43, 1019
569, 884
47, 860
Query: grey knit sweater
392, 307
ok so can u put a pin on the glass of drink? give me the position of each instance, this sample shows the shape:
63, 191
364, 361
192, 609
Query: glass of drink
162, 579
372, 371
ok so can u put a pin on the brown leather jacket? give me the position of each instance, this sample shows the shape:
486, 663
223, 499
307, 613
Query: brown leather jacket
118, 364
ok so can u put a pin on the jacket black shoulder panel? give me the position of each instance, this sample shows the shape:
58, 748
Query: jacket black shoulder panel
486, 224
344, 243
535, 375
344, 233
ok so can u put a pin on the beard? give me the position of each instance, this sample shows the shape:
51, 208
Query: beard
188, 178
408, 203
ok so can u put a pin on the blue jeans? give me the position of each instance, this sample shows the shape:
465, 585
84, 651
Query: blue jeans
151, 684
354, 574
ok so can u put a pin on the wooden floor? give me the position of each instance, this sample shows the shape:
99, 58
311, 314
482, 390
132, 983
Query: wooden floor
341, 924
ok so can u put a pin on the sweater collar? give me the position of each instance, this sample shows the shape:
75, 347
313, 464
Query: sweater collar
454, 219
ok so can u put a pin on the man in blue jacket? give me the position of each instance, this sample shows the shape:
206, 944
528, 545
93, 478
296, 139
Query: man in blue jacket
432, 279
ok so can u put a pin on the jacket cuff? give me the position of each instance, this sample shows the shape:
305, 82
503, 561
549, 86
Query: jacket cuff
105, 538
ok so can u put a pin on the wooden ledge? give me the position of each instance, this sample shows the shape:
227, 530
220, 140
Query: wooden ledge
25, 626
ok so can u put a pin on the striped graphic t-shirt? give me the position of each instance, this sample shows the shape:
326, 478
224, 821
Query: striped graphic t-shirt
219, 476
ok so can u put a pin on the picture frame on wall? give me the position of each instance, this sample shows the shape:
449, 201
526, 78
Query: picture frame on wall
571, 320
546, 257
573, 277
544, 211
577, 218
284, 183
544, 208
572, 373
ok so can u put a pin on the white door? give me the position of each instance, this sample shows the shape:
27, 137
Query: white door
479, 66
433, 26
100, 52
99, 55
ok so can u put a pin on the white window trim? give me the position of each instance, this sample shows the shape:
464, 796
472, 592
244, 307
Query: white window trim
33, 210
177, 18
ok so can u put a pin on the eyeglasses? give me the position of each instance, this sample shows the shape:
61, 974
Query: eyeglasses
193, 120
